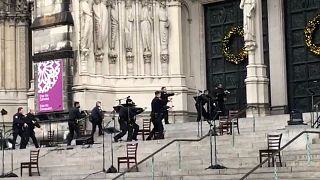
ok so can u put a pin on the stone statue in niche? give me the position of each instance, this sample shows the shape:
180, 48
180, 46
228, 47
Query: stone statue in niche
114, 25
129, 27
100, 27
86, 27
164, 28
145, 23
164, 32
249, 7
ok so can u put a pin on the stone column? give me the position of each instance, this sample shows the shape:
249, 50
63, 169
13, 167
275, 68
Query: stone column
147, 64
10, 53
277, 53
164, 37
175, 39
256, 81
128, 31
21, 55
1, 52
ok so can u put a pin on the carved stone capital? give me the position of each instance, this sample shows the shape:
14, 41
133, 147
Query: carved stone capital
130, 57
84, 54
164, 58
250, 46
147, 57
113, 57
99, 55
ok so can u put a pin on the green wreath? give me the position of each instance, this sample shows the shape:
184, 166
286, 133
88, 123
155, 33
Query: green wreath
229, 56
309, 32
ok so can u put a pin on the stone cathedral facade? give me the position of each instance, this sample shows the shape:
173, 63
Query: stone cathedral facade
132, 48
120, 48
14, 55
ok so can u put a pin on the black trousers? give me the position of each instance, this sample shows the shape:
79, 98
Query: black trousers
166, 117
15, 134
222, 108
73, 127
133, 131
29, 133
124, 128
156, 120
96, 123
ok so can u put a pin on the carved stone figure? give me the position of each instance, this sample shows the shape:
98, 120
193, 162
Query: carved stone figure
248, 7
129, 26
164, 28
145, 23
100, 27
114, 25
86, 26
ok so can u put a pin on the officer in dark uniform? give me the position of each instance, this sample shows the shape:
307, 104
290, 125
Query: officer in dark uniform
96, 118
123, 121
165, 98
17, 128
29, 131
133, 127
74, 116
221, 94
157, 109
127, 120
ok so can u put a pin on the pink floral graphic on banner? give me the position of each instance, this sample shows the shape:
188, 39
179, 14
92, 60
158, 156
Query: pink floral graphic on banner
49, 89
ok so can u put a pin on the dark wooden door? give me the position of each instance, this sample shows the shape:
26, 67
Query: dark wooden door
303, 67
219, 19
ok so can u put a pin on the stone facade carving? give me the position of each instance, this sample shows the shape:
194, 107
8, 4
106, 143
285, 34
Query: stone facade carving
164, 29
114, 30
146, 21
249, 7
100, 27
129, 26
86, 28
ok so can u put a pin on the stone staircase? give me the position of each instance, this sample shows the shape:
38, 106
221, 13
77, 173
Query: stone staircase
77, 163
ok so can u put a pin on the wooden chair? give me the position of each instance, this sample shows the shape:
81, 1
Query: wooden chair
224, 124
33, 163
146, 128
233, 117
274, 142
131, 156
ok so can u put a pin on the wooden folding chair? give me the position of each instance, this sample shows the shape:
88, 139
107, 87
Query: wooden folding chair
146, 128
274, 142
233, 116
224, 124
131, 156
33, 163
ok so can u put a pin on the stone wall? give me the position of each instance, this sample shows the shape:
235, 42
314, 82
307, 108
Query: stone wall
14, 59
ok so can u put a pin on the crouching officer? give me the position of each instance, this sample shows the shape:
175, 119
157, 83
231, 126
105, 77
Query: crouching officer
74, 116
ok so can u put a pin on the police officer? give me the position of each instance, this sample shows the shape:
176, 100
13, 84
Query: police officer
133, 127
74, 116
29, 131
97, 117
17, 128
157, 109
164, 97
221, 94
123, 121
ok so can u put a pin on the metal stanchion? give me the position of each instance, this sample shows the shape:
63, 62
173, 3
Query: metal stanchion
179, 155
152, 167
10, 174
